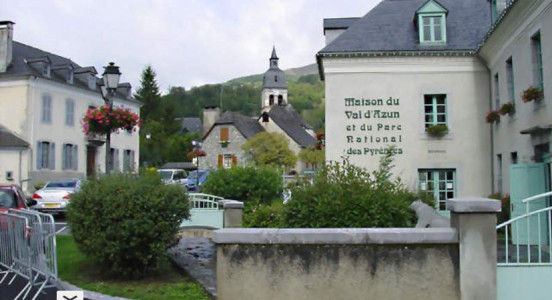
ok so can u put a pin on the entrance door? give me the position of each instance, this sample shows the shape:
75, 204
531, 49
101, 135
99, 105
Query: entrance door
90, 161
528, 180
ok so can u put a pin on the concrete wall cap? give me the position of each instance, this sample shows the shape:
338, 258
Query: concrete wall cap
474, 205
231, 204
336, 236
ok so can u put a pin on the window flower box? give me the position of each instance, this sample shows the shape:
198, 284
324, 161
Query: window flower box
492, 117
224, 144
99, 121
507, 109
437, 130
532, 93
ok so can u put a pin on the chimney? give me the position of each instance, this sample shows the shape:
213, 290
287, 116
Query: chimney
6, 41
210, 115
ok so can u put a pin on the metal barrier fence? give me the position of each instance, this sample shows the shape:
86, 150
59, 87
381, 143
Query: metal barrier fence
28, 249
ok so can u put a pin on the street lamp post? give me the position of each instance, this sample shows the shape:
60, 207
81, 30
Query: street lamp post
197, 147
108, 88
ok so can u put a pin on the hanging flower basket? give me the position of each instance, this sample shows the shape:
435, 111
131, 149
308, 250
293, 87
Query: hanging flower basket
507, 109
98, 121
224, 144
492, 117
437, 130
532, 93
195, 153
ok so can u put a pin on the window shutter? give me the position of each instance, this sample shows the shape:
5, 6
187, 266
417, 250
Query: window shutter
38, 155
234, 160
219, 161
131, 163
224, 134
52, 159
64, 157
75, 158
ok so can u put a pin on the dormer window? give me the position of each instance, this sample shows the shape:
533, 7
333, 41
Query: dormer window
46, 70
432, 23
70, 76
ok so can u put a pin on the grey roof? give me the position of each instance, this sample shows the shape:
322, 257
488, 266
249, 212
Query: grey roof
274, 77
390, 26
192, 125
249, 127
179, 165
339, 23
292, 124
24, 57
10, 139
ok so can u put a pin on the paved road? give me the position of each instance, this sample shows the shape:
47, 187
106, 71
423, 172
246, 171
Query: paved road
9, 291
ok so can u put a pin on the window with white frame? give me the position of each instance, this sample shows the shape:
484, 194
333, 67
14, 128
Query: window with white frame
46, 108
69, 112
435, 110
438, 183
227, 161
70, 157
128, 160
45, 155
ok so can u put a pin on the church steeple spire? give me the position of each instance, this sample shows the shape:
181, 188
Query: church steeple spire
274, 58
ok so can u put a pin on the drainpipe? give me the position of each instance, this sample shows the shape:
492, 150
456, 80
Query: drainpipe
484, 63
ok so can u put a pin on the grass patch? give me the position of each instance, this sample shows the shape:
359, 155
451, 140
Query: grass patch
168, 284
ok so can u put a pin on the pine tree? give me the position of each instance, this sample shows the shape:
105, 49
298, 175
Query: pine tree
148, 94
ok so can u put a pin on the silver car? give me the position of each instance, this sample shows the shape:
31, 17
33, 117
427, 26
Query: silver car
55, 195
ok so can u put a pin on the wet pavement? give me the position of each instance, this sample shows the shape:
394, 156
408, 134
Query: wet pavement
197, 256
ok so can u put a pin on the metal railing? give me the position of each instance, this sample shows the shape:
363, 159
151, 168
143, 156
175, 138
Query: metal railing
28, 249
204, 204
201, 196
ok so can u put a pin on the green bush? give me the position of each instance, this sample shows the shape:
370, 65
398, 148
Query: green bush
124, 223
343, 195
251, 184
504, 214
264, 216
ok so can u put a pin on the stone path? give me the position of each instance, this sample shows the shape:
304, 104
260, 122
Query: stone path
197, 256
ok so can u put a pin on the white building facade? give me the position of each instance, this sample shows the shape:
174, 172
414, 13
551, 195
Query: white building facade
43, 98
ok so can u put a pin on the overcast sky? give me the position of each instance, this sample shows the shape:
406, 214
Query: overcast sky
187, 42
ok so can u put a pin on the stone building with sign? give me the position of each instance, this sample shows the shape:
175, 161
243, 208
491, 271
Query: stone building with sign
42, 98
422, 75
404, 67
226, 134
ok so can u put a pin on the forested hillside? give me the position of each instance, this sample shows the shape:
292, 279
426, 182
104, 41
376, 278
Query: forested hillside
305, 93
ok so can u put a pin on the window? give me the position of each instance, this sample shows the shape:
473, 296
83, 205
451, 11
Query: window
70, 112
227, 161
510, 80
431, 20
536, 51
440, 183
271, 100
70, 156
280, 100
224, 134
114, 166
46, 108
433, 29
128, 161
46, 69
496, 92
513, 158
435, 110
45, 155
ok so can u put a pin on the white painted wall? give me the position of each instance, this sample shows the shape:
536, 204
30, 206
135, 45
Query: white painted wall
512, 38
466, 146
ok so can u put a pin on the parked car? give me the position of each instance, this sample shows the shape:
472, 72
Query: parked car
11, 196
193, 180
55, 195
173, 176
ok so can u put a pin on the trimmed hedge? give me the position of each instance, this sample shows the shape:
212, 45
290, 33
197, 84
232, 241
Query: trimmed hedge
343, 195
124, 223
251, 184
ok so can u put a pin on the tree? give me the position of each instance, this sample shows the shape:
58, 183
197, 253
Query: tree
268, 148
312, 156
148, 94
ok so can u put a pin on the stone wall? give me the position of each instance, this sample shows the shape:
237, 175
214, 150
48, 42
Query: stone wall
364, 263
